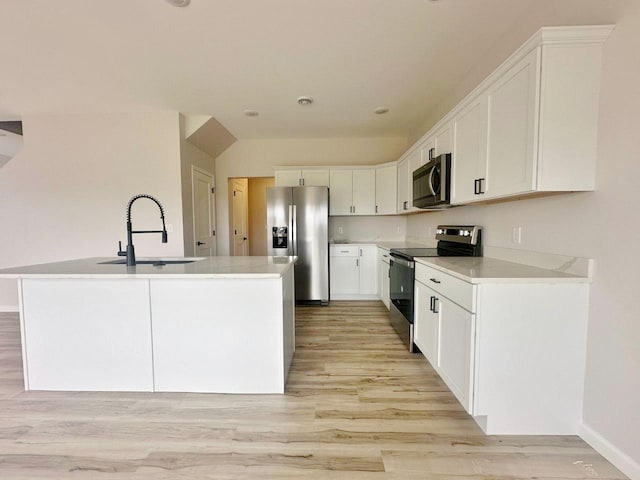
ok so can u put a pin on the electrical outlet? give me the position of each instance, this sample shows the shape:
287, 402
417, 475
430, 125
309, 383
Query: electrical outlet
340, 230
399, 230
516, 235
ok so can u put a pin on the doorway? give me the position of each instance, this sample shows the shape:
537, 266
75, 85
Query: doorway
204, 208
248, 215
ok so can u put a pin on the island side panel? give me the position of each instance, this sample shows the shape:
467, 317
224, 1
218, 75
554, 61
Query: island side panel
220, 335
87, 334
288, 319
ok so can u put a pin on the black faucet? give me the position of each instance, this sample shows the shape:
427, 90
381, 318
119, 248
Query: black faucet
130, 253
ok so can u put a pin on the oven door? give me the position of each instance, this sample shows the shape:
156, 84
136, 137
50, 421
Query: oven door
402, 274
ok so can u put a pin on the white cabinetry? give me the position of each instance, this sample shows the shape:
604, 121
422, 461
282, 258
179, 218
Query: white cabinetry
353, 192
469, 150
531, 126
403, 185
383, 276
302, 178
353, 272
386, 190
502, 348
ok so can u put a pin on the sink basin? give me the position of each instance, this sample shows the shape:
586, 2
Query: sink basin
157, 262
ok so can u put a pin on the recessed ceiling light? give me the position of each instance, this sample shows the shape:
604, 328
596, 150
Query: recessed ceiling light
381, 110
179, 3
305, 100
251, 113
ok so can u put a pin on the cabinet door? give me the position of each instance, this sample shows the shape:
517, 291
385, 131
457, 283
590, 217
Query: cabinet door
368, 269
403, 186
428, 150
469, 151
384, 280
511, 156
426, 322
456, 349
288, 178
386, 190
344, 275
443, 141
341, 192
415, 162
364, 191
315, 178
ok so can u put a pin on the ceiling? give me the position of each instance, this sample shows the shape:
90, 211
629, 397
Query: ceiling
221, 57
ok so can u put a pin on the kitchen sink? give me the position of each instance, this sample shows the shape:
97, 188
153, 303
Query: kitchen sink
157, 262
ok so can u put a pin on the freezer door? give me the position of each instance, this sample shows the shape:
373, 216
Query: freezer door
311, 243
279, 221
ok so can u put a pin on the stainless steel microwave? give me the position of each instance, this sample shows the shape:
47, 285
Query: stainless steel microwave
432, 183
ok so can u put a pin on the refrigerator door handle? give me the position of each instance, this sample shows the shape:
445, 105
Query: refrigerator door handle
290, 233
294, 230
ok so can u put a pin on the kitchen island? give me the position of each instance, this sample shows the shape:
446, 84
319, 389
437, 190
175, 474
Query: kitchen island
215, 324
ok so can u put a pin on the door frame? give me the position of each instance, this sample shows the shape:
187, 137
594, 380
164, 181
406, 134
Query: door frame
202, 171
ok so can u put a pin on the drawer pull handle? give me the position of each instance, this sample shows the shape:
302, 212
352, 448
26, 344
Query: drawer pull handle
435, 281
344, 251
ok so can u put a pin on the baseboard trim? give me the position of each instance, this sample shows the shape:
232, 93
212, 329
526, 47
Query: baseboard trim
9, 308
619, 459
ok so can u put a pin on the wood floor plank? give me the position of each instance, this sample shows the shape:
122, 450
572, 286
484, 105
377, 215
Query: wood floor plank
357, 406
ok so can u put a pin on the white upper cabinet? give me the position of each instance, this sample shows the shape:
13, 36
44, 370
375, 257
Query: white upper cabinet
288, 178
386, 188
403, 186
415, 162
353, 192
443, 140
469, 151
341, 192
512, 125
537, 118
364, 191
302, 178
315, 178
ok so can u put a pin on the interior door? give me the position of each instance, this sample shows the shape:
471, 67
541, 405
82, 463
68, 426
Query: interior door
203, 213
240, 218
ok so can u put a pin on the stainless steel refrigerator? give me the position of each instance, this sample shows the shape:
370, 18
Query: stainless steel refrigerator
298, 224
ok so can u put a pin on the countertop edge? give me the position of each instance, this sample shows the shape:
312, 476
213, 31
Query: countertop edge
561, 278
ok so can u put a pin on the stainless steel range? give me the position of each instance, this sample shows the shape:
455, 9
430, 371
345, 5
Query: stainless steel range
453, 241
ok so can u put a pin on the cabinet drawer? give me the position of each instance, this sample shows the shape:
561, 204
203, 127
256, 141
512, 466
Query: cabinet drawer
453, 288
344, 251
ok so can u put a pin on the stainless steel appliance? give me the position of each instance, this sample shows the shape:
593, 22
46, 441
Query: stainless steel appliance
298, 224
458, 241
432, 183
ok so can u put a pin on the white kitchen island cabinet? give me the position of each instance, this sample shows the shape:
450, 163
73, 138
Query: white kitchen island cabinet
219, 325
509, 340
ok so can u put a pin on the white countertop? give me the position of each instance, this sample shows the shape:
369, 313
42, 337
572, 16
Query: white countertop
208, 267
491, 270
386, 244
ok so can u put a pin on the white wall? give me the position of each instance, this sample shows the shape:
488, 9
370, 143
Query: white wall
64, 195
190, 155
368, 229
256, 158
602, 225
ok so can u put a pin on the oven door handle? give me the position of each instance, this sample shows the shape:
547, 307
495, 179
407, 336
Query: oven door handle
401, 261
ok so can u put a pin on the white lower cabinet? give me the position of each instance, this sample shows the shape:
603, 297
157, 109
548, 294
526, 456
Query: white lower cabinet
426, 323
455, 355
383, 277
353, 272
513, 354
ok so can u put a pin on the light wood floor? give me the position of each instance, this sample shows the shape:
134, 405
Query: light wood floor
358, 406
